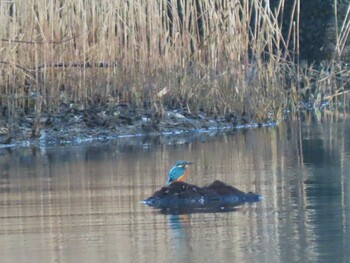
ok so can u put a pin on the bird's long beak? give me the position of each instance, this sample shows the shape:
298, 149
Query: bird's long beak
188, 163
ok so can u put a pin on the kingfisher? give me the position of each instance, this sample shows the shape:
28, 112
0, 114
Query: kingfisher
178, 172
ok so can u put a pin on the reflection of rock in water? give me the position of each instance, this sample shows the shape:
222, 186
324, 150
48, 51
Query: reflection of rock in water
180, 197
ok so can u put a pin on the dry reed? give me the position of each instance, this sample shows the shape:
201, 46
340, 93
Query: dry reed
217, 56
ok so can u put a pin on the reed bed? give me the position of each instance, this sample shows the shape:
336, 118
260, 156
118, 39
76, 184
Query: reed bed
213, 56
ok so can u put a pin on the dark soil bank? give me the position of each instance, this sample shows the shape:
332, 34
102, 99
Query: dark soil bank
76, 126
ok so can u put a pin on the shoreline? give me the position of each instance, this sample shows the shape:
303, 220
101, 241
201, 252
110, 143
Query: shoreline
71, 126
79, 127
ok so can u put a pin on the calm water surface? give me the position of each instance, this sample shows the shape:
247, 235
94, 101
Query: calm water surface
81, 204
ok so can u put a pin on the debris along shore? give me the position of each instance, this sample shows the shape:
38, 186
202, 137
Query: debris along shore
77, 126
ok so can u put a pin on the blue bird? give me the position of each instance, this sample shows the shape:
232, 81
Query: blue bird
178, 172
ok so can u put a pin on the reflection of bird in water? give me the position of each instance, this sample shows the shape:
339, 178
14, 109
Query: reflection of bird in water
178, 221
178, 172
180, 236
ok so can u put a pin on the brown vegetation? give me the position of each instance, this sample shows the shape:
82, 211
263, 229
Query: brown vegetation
213, 56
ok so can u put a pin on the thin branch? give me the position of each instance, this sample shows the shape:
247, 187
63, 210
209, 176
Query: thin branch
36, 43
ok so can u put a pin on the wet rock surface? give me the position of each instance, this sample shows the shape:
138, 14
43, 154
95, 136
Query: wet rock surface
183, 197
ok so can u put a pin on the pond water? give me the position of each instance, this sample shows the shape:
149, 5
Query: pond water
82, 203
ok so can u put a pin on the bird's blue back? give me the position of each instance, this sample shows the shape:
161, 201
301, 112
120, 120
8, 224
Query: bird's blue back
175, 173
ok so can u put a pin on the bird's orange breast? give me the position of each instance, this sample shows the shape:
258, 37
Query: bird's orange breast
182, 177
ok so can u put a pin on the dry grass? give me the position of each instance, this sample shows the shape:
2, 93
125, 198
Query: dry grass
216, 56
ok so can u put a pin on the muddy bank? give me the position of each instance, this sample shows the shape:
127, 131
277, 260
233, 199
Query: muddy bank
77, 126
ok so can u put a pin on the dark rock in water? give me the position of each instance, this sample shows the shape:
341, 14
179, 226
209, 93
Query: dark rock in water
216, 197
